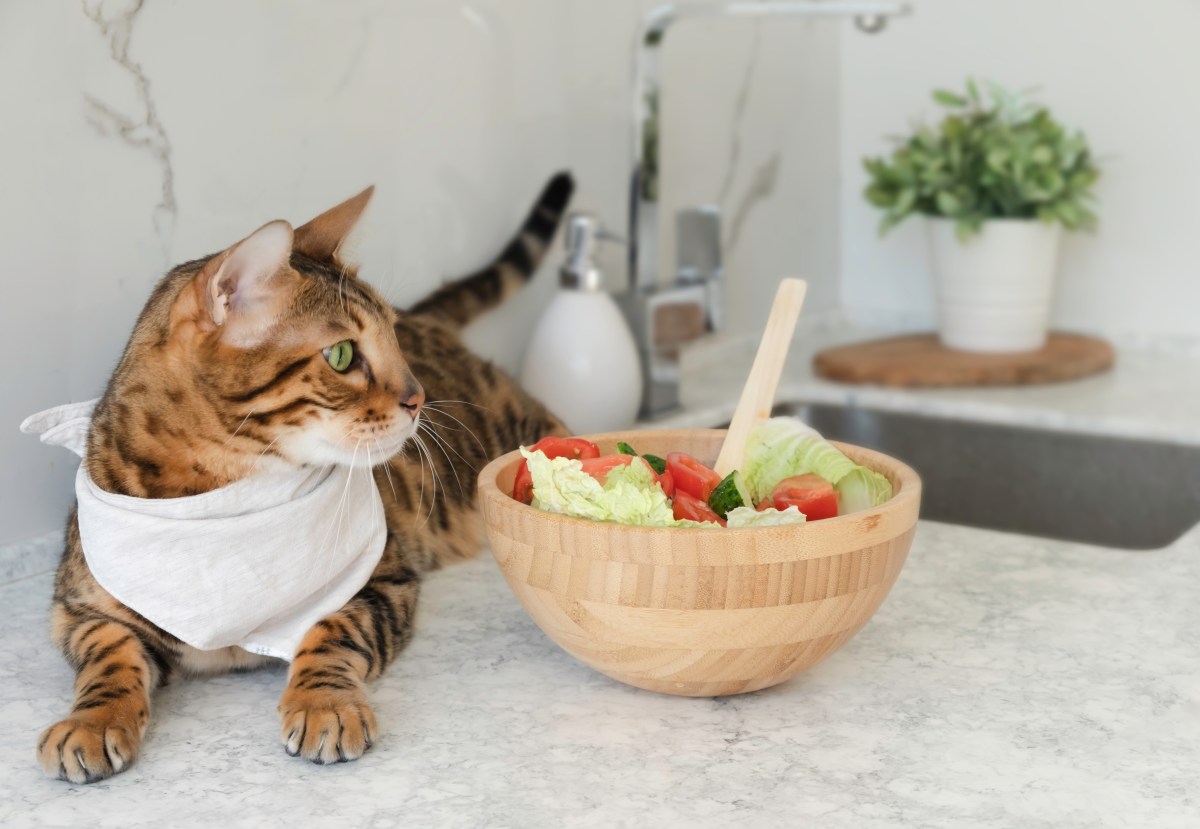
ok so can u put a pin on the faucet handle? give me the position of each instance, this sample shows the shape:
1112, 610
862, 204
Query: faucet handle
698, 243
698, 257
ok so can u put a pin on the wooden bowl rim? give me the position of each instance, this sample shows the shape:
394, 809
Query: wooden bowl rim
906, 491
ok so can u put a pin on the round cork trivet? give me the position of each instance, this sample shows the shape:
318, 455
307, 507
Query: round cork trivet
920, 360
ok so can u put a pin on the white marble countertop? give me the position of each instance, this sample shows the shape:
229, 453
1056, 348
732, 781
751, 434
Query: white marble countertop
1006, 682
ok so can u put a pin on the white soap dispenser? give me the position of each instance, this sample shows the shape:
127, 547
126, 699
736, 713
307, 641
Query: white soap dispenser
582, 361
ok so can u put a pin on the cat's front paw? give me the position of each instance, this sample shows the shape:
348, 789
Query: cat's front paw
326, 726
87, 750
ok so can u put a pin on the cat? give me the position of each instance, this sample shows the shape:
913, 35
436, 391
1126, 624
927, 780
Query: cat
275, 352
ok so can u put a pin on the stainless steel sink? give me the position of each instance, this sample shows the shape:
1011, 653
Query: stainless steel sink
1115, 492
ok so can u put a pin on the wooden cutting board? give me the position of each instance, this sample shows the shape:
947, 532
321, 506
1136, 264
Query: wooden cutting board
920, 360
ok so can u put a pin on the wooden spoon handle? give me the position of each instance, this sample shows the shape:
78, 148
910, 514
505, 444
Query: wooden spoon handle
758, 395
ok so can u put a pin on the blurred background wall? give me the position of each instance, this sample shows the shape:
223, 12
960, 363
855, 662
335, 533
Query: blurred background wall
137, 134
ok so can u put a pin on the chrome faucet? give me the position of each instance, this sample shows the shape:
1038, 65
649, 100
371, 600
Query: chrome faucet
666, 315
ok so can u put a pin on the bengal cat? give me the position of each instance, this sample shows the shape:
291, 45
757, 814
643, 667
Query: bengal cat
275, 351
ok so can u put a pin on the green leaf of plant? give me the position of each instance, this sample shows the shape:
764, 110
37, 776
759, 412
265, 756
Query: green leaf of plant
880, 196
973, 91
953, 128
1041, 154
1068, 213
887, 223
997, 157
947, 203
949, 99
993, 156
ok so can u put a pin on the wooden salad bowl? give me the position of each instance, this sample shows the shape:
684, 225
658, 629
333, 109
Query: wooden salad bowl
699, 612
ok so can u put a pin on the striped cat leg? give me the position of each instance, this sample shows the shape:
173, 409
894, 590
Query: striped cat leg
324, 712
116, 669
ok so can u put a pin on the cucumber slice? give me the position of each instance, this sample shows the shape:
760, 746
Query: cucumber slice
659, 465
731, 493
625, 449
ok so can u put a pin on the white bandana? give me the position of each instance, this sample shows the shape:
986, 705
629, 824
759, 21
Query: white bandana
255, 564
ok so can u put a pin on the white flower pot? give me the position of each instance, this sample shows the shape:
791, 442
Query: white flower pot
994, 291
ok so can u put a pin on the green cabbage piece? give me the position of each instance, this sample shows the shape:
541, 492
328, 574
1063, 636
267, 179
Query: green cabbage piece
750, 517
636, 474
783, 446
629, 494
862, 488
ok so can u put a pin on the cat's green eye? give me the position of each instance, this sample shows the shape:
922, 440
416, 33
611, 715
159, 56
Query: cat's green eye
340, 355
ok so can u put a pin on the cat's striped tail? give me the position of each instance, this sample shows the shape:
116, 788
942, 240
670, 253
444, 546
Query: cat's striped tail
462, 300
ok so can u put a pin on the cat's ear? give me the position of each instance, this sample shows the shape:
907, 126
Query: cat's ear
240, 291
321, 238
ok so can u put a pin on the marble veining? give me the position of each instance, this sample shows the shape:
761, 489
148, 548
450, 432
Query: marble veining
143, 132
1006, 682
31, 557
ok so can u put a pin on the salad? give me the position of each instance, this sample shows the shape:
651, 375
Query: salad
790, 475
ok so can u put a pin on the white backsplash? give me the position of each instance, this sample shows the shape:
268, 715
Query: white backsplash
144, 133
141, 133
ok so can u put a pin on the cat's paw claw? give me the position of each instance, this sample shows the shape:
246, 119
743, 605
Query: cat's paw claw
84, 751
326, 728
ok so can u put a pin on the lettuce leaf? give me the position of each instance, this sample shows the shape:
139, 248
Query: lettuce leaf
783, 446
629, 494
862, 488
750, 517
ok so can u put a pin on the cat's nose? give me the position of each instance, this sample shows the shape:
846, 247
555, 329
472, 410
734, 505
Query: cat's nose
412, 400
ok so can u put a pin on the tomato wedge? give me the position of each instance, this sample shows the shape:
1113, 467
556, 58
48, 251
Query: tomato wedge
523, 484
691, 476
667, 482
693, 509
811, 494
577, 448
553, 447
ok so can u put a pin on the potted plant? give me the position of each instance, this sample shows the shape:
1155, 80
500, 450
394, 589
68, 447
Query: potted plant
997, 181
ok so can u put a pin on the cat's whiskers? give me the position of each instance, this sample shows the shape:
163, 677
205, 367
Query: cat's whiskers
461, 457
438, 423
421, 467
438, 442
437, 479
342, 502
340, 511
384, 282
343, 510
421, 499
468, 430
467, 403
238, 429
339, 516
433, 476
266, 449
387, 469
342, 287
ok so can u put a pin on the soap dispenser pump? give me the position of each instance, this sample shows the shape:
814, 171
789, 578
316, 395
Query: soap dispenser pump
582, 361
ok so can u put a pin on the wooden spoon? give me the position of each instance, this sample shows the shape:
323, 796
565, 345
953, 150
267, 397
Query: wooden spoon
758, 395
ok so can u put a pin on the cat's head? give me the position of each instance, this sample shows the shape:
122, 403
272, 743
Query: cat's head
295, 355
